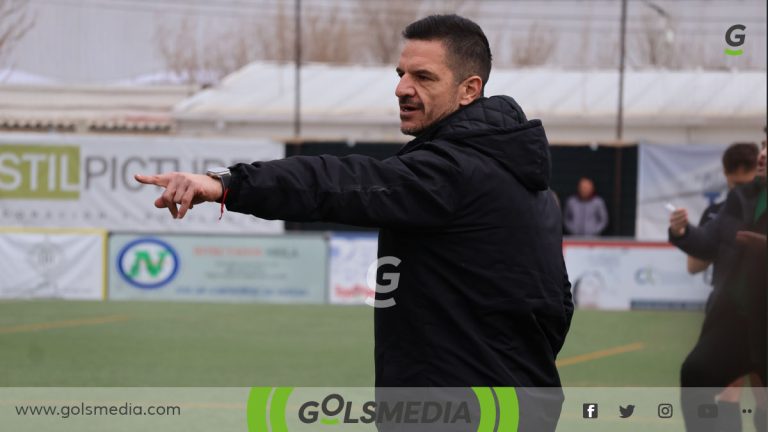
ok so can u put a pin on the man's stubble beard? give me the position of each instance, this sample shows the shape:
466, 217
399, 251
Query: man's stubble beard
414, 132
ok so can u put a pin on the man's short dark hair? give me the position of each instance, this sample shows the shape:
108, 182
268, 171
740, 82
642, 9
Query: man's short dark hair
465, 43
740, 156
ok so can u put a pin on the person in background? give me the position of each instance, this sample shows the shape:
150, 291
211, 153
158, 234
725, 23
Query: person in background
739, 167
585, 212
734, 335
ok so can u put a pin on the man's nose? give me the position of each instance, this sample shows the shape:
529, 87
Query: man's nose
404, 87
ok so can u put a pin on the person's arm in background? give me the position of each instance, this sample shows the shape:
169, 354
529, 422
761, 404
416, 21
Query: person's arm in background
752, 240
701, 242
415, 189
704, 242
697, 265
602, 216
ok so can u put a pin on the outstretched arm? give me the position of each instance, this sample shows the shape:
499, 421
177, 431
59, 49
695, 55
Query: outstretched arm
415, 189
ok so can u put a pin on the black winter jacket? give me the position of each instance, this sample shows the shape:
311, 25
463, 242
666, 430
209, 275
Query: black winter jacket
483, 297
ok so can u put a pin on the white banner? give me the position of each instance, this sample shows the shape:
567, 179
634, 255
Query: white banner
632, 275
87, 181
686, 176
352, 255
65, 264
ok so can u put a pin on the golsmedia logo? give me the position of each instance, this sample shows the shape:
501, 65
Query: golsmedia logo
283, 409
334, 409
147, 263
735, 38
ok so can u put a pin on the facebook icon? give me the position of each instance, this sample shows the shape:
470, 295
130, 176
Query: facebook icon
590, 410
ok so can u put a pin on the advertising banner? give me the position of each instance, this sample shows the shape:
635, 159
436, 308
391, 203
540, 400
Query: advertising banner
87, 181
632, 275
60, 264
686, 176
279, 269
351, 257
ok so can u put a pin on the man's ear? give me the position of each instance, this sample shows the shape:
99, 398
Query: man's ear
470, 89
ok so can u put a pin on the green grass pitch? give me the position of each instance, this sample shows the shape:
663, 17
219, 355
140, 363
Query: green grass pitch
163, 344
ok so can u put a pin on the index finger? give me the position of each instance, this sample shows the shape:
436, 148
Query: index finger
158, 180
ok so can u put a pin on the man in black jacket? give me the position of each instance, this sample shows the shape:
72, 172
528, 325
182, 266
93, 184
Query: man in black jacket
483, 296
734, 334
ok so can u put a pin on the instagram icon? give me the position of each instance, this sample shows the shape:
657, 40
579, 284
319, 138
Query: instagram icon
665, 410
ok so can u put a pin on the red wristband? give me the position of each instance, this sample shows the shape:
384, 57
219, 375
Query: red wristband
223, 199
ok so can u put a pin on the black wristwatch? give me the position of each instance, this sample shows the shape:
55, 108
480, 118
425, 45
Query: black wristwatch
224, 175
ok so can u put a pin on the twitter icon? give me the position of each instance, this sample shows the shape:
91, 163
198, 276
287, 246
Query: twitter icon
626, 412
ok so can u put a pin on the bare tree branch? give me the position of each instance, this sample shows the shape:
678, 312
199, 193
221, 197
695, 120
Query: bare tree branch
655, 44
536, 48
385, 21
15, 22
276, 42
326, 38
178, 47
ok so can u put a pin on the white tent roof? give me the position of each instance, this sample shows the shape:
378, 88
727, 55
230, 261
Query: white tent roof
330, 91
20, 77
349, 95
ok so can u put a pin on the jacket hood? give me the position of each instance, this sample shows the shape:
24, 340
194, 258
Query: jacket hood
497, 127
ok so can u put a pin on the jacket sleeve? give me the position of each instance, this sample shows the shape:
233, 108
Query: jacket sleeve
568, 216
412, 190
704, 242
567, 296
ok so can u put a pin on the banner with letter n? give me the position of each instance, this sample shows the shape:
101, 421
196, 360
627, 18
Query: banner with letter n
218, 268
